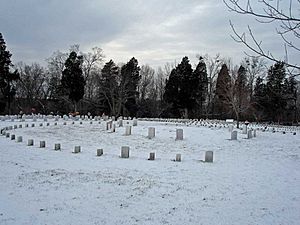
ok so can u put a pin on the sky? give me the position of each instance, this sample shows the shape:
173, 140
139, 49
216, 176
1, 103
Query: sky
155, 32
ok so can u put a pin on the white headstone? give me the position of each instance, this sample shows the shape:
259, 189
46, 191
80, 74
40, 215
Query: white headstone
127, 130
152, 156
19, 139
249, 134
151, 132
30, 142
99, 152
42, 144
125, 152
179, 134
209, 155
234, 135
134, 122
244, 129
178, 158
77, 149
230, 127
56, 147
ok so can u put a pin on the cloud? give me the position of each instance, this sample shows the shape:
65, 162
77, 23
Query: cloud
153, 31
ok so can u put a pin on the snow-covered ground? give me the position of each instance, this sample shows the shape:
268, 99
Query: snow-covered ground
251, 181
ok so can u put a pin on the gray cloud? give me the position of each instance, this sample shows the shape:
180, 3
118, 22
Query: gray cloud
154, 31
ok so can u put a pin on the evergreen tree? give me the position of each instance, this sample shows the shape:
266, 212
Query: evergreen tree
109, 87
201, 74
290, 91
72, 78
6, 77
182, 88
259, 98
128, 88
241, 94
276, 101
223, 87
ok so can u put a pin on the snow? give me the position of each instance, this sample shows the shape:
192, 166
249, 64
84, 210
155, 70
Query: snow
251, 181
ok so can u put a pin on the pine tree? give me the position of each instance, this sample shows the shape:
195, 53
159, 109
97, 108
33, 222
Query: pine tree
182, 88
72, 78
6, 77
223, 86
201, 74
275, 91
109, 87
128, 88
241, 94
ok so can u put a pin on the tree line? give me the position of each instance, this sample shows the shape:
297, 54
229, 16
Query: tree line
82, 82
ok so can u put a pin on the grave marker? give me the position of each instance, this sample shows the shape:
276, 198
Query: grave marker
152, 156
99, 152
124, 152
151, 132
179, 134
209, 156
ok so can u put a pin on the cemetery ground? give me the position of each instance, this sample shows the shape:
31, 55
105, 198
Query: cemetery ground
251, 181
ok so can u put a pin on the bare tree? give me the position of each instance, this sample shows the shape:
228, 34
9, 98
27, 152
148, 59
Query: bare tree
147, 76
255, 67
213, 65
33, 84
284, 14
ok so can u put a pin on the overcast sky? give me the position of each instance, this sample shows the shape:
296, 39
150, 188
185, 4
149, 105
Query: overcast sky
153, 31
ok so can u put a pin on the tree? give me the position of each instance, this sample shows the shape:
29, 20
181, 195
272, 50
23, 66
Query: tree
275, 92
109, 87
182, 89
259, 98
241, 102
6, 76
33, 84
128, 93
201, 74
223, 86
72, 78
281, 13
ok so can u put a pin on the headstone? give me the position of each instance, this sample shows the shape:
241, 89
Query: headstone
249, 134
56, 147
151, 132
32, 125
127, 130
134, 122
152, 156
99, 152
244, 129
26, 125
230, 127
15, 126
209, 156
55, 124
41, 124
7, 135
178, 158
42, 144
12, 137
19, 139
234, 135
120, 123
30, 142
294, 133
65, 123
254, 133
20, 126
77, 149
125, 152
179, 134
